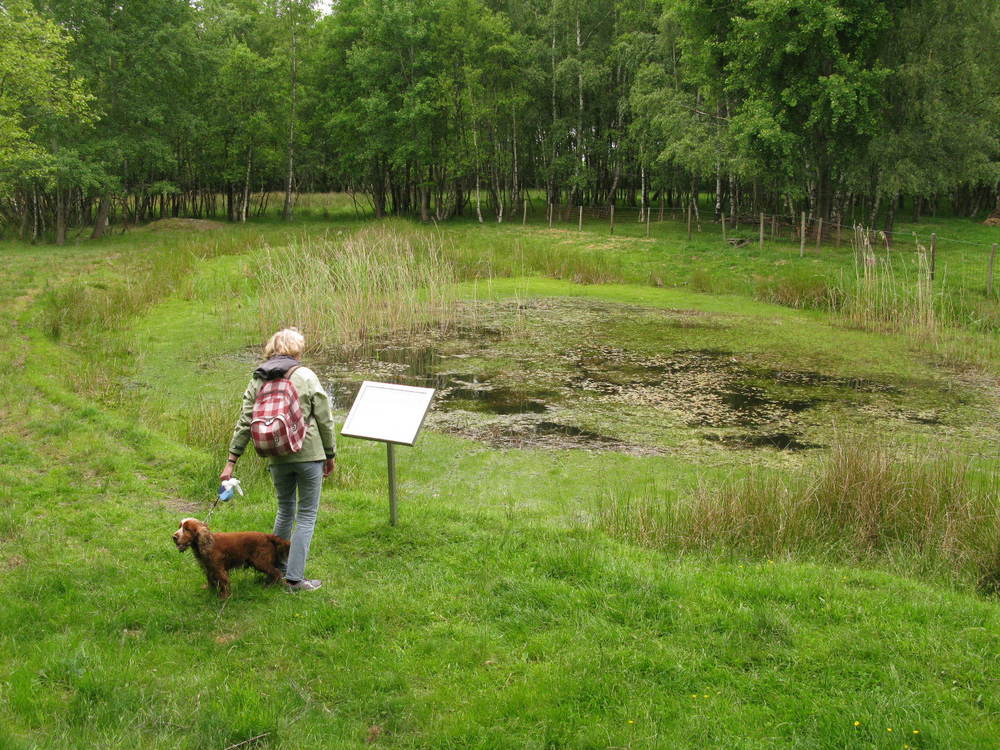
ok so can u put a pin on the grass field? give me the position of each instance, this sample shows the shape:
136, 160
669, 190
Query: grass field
661, 586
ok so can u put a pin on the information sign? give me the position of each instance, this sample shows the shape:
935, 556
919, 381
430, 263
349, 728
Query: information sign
388, 412
392, 414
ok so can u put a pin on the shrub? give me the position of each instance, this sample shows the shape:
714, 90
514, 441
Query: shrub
811, 292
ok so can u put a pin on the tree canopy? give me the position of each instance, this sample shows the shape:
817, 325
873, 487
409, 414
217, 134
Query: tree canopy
128, 111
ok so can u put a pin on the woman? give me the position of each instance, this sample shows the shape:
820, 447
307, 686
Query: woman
302, 471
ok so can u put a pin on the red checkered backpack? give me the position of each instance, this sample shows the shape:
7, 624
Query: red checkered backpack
277, 427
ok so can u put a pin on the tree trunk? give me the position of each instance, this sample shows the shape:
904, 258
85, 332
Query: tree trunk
102, 217
25, 220
890, 220
246, 188
874, 212
475, 147
34, 213
425, 200
579, 110
718, 191
60, 217
553, 198
642, 190
286, 211
515, 187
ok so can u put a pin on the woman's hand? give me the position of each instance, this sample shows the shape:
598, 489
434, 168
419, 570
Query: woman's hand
328, 466
227, 472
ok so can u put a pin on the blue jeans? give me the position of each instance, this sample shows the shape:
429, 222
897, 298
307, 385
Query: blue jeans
307, 478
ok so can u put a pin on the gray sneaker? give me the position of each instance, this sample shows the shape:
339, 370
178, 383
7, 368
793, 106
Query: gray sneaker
303, 585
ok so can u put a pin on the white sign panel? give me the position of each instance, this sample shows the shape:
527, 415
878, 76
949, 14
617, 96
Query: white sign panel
388, 412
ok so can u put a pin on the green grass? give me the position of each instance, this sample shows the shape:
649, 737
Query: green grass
501, 612
861, 503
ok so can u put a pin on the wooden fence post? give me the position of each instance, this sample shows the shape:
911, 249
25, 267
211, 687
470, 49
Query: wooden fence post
802, 236
524, 213
647, 221
989, 275
689, 221
933, 253
579, 226
819, 232
612, 218
762, 230
550, 214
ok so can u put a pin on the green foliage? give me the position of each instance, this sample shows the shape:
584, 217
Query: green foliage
38, 96
133, 111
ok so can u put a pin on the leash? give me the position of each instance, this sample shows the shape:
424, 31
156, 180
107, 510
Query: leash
226, 491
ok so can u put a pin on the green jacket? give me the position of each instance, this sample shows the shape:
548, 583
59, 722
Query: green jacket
321, 437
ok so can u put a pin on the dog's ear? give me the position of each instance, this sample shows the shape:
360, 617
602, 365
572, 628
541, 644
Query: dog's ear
281, 547
201, 534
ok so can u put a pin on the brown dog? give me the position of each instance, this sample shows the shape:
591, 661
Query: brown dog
219, 553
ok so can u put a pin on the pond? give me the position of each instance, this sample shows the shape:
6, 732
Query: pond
545, 373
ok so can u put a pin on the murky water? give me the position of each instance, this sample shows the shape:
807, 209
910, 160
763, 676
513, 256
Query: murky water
780, 440
512, 392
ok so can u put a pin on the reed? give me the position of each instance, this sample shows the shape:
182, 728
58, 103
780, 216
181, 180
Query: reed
862, 503
348, 291
812, 292
882, 297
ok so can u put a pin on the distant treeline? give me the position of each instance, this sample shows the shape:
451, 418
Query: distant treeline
846, 109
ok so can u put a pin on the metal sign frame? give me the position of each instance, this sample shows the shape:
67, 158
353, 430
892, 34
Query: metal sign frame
357, 424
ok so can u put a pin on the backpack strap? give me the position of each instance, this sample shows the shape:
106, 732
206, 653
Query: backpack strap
288, 376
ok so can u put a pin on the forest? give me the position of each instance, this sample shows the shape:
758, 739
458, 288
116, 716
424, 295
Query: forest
116, 113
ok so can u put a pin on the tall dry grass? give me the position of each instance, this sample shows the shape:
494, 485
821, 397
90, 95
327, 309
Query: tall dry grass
883, 296
893, 291
862, 503
348, 291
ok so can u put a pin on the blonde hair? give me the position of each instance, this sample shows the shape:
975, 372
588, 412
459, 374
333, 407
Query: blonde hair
287, 341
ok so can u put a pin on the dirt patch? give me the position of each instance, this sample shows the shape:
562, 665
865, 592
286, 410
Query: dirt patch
183, 506
184, 225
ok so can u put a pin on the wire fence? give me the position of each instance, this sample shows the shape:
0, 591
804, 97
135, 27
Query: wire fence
742, 230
